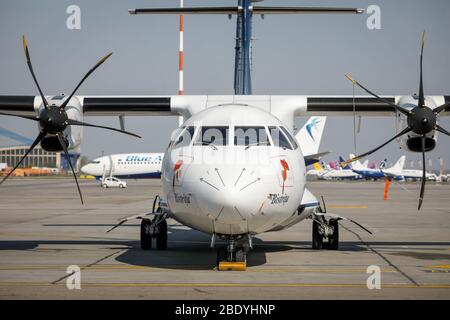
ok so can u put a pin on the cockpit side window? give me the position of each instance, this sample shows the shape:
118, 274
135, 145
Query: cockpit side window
250, 136
216, 136
185, 138
279, 138
290, 137
95, 162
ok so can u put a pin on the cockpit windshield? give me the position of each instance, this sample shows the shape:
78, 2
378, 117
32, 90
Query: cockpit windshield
94, 162
279, 138
214, 136
185, 138
250, 136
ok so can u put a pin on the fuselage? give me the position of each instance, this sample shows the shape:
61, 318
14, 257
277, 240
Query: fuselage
127, 165
229, 174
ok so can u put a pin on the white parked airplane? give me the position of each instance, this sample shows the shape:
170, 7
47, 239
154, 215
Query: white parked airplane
234, 169
126, 166
408, 174
345, 173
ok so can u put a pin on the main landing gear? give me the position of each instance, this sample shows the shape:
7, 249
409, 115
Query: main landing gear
155, 228
233, 257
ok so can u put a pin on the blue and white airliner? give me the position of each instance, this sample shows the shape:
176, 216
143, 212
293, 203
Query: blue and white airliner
126, 166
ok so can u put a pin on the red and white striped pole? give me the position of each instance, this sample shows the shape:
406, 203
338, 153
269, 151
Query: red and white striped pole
180, 60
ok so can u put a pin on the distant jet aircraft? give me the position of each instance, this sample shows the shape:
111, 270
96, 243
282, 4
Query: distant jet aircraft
408, 174
126, 166
377, 173
333, 173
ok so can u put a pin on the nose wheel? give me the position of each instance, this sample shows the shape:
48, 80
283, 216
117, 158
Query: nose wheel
325, 230
231, 258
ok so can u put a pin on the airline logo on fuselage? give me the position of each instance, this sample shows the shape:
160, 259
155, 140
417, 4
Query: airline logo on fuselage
141, 158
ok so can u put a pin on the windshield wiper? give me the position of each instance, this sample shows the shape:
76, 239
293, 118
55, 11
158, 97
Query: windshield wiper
212, 145
259, 143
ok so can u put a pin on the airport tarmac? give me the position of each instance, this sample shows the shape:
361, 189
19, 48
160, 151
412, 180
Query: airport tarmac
44, 229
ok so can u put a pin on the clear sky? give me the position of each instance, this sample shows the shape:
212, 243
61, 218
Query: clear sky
294, 54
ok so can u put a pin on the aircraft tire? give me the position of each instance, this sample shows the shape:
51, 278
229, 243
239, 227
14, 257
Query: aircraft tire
240, 255
161, 237
146, 239
333, 241
317, 239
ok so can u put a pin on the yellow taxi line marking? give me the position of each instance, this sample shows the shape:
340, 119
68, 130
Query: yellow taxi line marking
347, 207
267, 285
441, 266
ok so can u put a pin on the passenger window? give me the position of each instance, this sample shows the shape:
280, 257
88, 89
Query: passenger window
290, 137
185, 138
250, 136
215, 136
279, 138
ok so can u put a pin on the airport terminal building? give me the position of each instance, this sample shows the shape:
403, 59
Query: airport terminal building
37, 158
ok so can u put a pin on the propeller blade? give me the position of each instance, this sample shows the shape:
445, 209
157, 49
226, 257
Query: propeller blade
393, 105
84, 124
441, 108
405, 131
442, 130
19, 116
64, 104
63, 145
424, 174
36, 141
27, 54
421, 93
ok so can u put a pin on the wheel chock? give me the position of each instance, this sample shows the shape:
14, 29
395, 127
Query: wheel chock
232, 266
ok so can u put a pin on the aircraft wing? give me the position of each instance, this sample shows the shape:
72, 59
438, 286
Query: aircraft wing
281, 106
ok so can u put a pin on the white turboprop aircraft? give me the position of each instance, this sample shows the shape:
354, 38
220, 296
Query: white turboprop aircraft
233, 170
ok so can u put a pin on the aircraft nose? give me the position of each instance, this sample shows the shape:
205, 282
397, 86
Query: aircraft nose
231, 196
87, 169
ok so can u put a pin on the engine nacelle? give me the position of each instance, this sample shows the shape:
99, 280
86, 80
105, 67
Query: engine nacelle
72, 134
412, 141
51, 143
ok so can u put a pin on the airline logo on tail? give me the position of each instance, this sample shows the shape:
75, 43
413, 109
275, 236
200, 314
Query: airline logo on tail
312, 125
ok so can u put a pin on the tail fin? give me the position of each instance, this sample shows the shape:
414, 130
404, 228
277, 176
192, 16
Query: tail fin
317, 167
383, 164
310, 135
400, 164
347, 166
366, 163
356, 164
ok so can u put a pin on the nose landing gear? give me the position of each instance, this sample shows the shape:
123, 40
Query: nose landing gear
232, 258
325, 230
